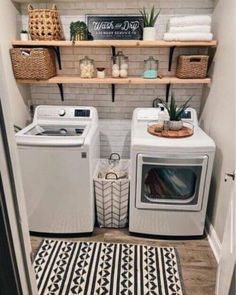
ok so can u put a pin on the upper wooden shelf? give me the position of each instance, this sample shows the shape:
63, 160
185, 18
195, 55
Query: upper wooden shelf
66, 79
118, 43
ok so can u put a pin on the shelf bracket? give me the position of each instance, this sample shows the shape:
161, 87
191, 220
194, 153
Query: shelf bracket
113, 51
211, 53
167, 91
58, 55
60, 86
171, 52
113, 92
113, 86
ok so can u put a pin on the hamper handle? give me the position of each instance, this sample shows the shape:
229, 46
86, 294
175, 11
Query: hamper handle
114, 154
30, 7
111, 173
54, 7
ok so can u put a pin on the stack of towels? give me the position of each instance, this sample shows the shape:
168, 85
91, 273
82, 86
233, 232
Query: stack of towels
189, 28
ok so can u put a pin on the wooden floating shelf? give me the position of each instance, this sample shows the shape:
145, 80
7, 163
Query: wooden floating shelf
113, 44
131, 80
118, 43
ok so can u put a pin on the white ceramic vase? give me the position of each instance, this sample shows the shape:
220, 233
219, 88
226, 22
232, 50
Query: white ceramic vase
149, 34
175, 125
24, 36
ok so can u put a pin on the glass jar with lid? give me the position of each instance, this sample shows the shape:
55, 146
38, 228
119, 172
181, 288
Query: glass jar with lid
150, 68
120, 65
87, 67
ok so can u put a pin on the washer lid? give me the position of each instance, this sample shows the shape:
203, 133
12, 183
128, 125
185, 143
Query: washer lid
53, 135
55, 130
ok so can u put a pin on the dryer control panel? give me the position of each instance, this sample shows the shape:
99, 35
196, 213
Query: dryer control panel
151, 114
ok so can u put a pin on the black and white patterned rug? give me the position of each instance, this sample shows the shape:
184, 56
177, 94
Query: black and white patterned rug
88, 268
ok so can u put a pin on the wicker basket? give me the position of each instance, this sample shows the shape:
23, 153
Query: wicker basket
44, 24
33, 63
192, 66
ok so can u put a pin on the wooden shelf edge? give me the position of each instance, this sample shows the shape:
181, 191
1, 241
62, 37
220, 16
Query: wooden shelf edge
124, 81
118, 43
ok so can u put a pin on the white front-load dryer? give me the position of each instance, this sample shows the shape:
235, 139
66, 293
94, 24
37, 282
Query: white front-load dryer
170, 178
58, 155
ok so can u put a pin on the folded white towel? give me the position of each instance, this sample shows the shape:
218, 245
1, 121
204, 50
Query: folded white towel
190, 29
188, 36
191, 20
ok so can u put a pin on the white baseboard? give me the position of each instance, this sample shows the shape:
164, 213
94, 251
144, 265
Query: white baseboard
213, 239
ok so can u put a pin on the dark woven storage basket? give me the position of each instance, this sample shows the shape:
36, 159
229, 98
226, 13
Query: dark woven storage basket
44, 24
192, 66
33, 63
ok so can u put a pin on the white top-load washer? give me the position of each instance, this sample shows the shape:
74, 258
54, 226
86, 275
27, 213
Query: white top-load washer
170, 178
58, 154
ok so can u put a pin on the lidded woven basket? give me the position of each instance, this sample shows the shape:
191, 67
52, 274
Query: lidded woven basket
44, 24
192, 66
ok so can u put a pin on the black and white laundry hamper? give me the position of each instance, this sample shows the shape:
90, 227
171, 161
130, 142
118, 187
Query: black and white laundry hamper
111, 187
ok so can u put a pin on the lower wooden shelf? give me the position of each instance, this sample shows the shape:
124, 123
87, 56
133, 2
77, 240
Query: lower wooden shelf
62, 79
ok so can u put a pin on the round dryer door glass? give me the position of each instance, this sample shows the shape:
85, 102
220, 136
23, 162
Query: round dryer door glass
169, 183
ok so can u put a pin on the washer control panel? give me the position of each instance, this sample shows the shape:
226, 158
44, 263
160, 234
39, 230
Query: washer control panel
58, 112
82, 113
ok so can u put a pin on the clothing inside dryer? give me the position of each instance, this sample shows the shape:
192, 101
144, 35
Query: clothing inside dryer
169, 182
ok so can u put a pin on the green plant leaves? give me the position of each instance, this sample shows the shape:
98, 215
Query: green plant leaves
78, 27
149, 19
173, 110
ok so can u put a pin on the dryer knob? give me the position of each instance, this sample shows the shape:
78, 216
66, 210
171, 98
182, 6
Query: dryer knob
62, 113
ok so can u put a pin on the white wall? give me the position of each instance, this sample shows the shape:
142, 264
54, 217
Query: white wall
8, 25
218, 111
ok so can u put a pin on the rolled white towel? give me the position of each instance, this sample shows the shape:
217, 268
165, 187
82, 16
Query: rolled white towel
191, 20
190, 29
188, 36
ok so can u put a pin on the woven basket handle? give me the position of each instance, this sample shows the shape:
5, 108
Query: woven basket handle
30, 7
195, 59
25, 52
54, 7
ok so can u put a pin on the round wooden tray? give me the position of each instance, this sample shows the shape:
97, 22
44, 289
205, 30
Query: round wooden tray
184, 132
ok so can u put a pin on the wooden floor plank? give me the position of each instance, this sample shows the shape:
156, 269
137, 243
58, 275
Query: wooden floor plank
197, 261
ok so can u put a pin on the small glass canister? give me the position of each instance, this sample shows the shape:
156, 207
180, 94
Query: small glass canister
150, 68
87, 68
120, 65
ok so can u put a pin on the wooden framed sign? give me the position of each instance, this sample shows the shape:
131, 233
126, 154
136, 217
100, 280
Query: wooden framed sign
115, 27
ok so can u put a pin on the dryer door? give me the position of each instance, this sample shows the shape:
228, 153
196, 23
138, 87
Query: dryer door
170, 182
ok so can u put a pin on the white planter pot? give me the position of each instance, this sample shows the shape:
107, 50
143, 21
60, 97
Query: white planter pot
175, 125
24, 37
149, 34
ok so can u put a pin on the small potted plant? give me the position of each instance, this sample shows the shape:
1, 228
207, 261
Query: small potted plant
24, 36
175, 112
149, 23
78, 31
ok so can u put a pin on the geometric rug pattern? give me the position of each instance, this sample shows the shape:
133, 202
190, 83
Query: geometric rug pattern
93, 268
